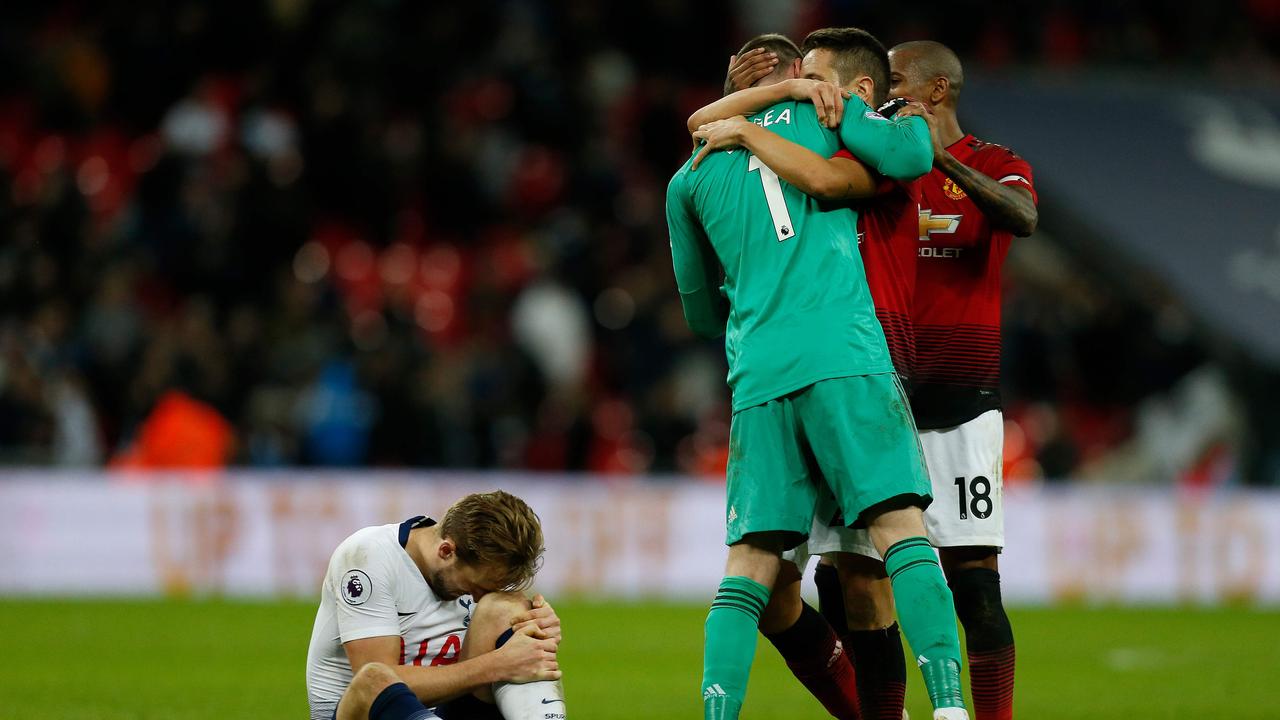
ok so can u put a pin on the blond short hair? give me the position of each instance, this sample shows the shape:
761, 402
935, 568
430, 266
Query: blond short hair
497, 531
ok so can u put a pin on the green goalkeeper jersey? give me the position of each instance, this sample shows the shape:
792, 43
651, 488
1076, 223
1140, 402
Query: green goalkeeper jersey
794, 305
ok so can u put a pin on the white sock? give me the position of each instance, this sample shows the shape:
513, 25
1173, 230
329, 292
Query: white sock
543, 700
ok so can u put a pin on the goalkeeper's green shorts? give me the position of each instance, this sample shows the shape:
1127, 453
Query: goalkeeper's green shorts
853, 434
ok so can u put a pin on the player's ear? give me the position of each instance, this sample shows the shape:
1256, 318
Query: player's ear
941, 88
866, 87
446, 549
794, 71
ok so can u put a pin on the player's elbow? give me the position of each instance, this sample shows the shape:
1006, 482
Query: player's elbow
367, 684
704, 312
706, 323
917, 162
1026, 222
908, 164
706, 327
826, 184
695, 121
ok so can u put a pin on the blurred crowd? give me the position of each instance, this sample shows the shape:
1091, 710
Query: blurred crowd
431, 234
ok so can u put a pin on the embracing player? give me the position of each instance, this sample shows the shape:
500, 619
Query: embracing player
814, 393
976, 199
424, 620
888, 226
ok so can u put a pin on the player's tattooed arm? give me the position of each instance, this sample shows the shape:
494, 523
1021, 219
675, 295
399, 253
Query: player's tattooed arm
1007, 207
828, 100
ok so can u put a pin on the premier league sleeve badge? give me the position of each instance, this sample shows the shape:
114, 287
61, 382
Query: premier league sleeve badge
356, 587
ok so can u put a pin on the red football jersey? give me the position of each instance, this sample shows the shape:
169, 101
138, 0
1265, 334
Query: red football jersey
956, 308
888, 233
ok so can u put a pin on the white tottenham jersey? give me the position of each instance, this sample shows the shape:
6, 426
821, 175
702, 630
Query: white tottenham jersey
373, 589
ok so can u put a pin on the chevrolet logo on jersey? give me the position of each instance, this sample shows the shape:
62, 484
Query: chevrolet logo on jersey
930, 223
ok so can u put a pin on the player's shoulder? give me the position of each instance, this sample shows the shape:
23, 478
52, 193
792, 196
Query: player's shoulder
680, 185
992, 152
370, 546
676, 184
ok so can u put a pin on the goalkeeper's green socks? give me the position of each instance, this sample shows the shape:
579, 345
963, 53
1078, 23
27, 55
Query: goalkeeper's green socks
927, 617
730, 646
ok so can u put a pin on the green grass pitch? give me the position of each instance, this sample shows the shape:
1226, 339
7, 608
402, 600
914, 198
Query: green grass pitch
188, 660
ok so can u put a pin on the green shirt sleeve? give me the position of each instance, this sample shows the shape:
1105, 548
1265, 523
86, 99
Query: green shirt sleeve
697, 269
899, 148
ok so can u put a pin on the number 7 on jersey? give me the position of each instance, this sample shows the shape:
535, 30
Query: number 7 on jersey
773, 195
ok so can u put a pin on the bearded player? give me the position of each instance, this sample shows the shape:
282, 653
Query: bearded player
976, 199
424, 620
888, 239
814, 397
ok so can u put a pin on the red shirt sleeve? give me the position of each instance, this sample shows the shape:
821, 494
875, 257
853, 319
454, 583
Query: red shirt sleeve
1009, 169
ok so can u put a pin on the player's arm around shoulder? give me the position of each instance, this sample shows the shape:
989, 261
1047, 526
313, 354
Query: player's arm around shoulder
754, 99
834, 179
900, 148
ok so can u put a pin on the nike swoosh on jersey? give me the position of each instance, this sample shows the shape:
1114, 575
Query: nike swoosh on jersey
405, 614
548, 702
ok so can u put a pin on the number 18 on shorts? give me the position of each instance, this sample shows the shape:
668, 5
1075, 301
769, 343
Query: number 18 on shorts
965, 469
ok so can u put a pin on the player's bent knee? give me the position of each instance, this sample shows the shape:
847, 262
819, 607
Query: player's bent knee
499, 607
757, 563
369, 682
373, 678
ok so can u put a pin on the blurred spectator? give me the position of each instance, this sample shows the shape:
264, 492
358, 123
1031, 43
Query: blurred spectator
180, 432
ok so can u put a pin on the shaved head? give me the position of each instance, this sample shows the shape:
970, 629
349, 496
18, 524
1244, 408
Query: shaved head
923, 61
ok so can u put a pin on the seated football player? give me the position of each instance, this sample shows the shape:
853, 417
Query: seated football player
427, 619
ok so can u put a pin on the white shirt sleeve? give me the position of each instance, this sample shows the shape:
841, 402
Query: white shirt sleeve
362, 582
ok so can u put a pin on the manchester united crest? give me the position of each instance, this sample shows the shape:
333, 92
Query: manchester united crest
952, 190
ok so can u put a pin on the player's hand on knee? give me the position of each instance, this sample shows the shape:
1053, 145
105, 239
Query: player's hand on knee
528, 658
542, 617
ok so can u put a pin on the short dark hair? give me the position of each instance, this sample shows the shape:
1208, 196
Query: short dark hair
857, 52
928, 60
783, 46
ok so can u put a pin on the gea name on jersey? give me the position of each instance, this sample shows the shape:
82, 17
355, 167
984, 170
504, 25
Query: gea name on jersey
784, 118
